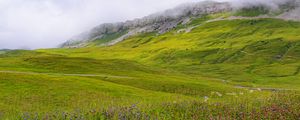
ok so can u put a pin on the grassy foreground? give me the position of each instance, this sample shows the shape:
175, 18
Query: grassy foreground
228, 69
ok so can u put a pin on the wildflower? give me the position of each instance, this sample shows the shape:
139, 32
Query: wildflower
258, 89
205, 98
233, 94
219, 94
251, 91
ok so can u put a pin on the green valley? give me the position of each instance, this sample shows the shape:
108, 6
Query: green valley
214, 67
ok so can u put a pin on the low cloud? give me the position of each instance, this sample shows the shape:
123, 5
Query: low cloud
272, 4
47, 23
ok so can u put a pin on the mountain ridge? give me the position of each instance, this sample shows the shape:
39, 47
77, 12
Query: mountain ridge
160, 22
180, 15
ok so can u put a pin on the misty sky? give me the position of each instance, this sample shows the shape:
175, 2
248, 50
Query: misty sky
47, 23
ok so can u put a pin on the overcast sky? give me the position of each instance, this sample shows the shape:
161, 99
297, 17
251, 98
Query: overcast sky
47, 23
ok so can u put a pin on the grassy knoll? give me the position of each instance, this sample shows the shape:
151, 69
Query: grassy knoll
228, 69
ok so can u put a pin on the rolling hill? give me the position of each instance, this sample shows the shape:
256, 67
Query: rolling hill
210, 60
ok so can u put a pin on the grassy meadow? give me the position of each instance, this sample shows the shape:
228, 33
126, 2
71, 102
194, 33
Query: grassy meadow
227, 69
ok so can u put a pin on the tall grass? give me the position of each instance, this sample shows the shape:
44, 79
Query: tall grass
280, 106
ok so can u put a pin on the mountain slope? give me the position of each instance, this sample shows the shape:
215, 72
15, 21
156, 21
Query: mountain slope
159, 22
112, 33
242, 50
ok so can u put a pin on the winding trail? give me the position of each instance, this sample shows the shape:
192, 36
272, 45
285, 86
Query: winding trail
62, 74
264, 89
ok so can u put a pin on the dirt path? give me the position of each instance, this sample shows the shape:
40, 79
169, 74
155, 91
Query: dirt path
62, 74
263, 89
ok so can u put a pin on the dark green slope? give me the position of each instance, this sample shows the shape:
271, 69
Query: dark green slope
247, 51
241, 50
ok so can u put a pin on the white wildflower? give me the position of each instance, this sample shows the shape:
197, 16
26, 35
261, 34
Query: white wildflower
258, 89
219, 94
251, 91
205, 98
233, 94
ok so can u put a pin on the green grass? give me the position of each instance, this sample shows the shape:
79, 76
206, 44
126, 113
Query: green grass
165, 76
3, 51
